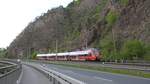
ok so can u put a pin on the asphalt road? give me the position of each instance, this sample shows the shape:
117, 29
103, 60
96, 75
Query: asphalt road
96, 77
116, 66
32, 76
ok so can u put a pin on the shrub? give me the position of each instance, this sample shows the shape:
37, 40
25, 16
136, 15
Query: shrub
107, 48
33, 55
111, 18
133, 49
147, 53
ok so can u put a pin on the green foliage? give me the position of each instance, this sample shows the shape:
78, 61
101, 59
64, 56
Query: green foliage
88, 18
101, 6
33, 55
77, 2
2, 52
133, 49
95, 14
95, 18
147, 52
123, 2
107, 47
73, 35
111, 18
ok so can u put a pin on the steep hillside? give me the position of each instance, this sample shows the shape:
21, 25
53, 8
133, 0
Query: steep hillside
85, 23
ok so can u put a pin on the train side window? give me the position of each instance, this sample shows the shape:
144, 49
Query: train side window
86, 55
89, 54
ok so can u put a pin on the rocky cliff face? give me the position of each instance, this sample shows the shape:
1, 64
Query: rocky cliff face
134, 22
84, 23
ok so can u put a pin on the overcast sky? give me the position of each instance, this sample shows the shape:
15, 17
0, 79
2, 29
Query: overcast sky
16, 14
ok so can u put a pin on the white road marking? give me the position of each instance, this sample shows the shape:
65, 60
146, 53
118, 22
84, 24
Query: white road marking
20, 77
66, 71
102, 78
55, 68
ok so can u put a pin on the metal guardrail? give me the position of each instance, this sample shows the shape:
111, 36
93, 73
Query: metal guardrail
4, 63
10, 74
55, 77
6, 69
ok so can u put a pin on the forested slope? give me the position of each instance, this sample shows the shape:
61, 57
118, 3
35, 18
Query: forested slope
109, 25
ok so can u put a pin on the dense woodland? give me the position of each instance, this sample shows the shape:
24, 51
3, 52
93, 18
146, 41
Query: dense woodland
119, 29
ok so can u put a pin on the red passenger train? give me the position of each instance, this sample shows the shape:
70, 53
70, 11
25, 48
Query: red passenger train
89, 55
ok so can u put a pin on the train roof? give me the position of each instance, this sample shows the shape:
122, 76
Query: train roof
79, 53
66, 53
62, 54
40, 55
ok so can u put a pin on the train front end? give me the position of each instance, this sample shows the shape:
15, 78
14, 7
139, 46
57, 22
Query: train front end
94, 55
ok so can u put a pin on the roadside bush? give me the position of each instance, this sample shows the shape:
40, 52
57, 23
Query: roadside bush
107, 48
147, 52
133, 49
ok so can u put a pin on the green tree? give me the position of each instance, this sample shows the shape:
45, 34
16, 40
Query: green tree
133, 49
33, 55
107, 48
